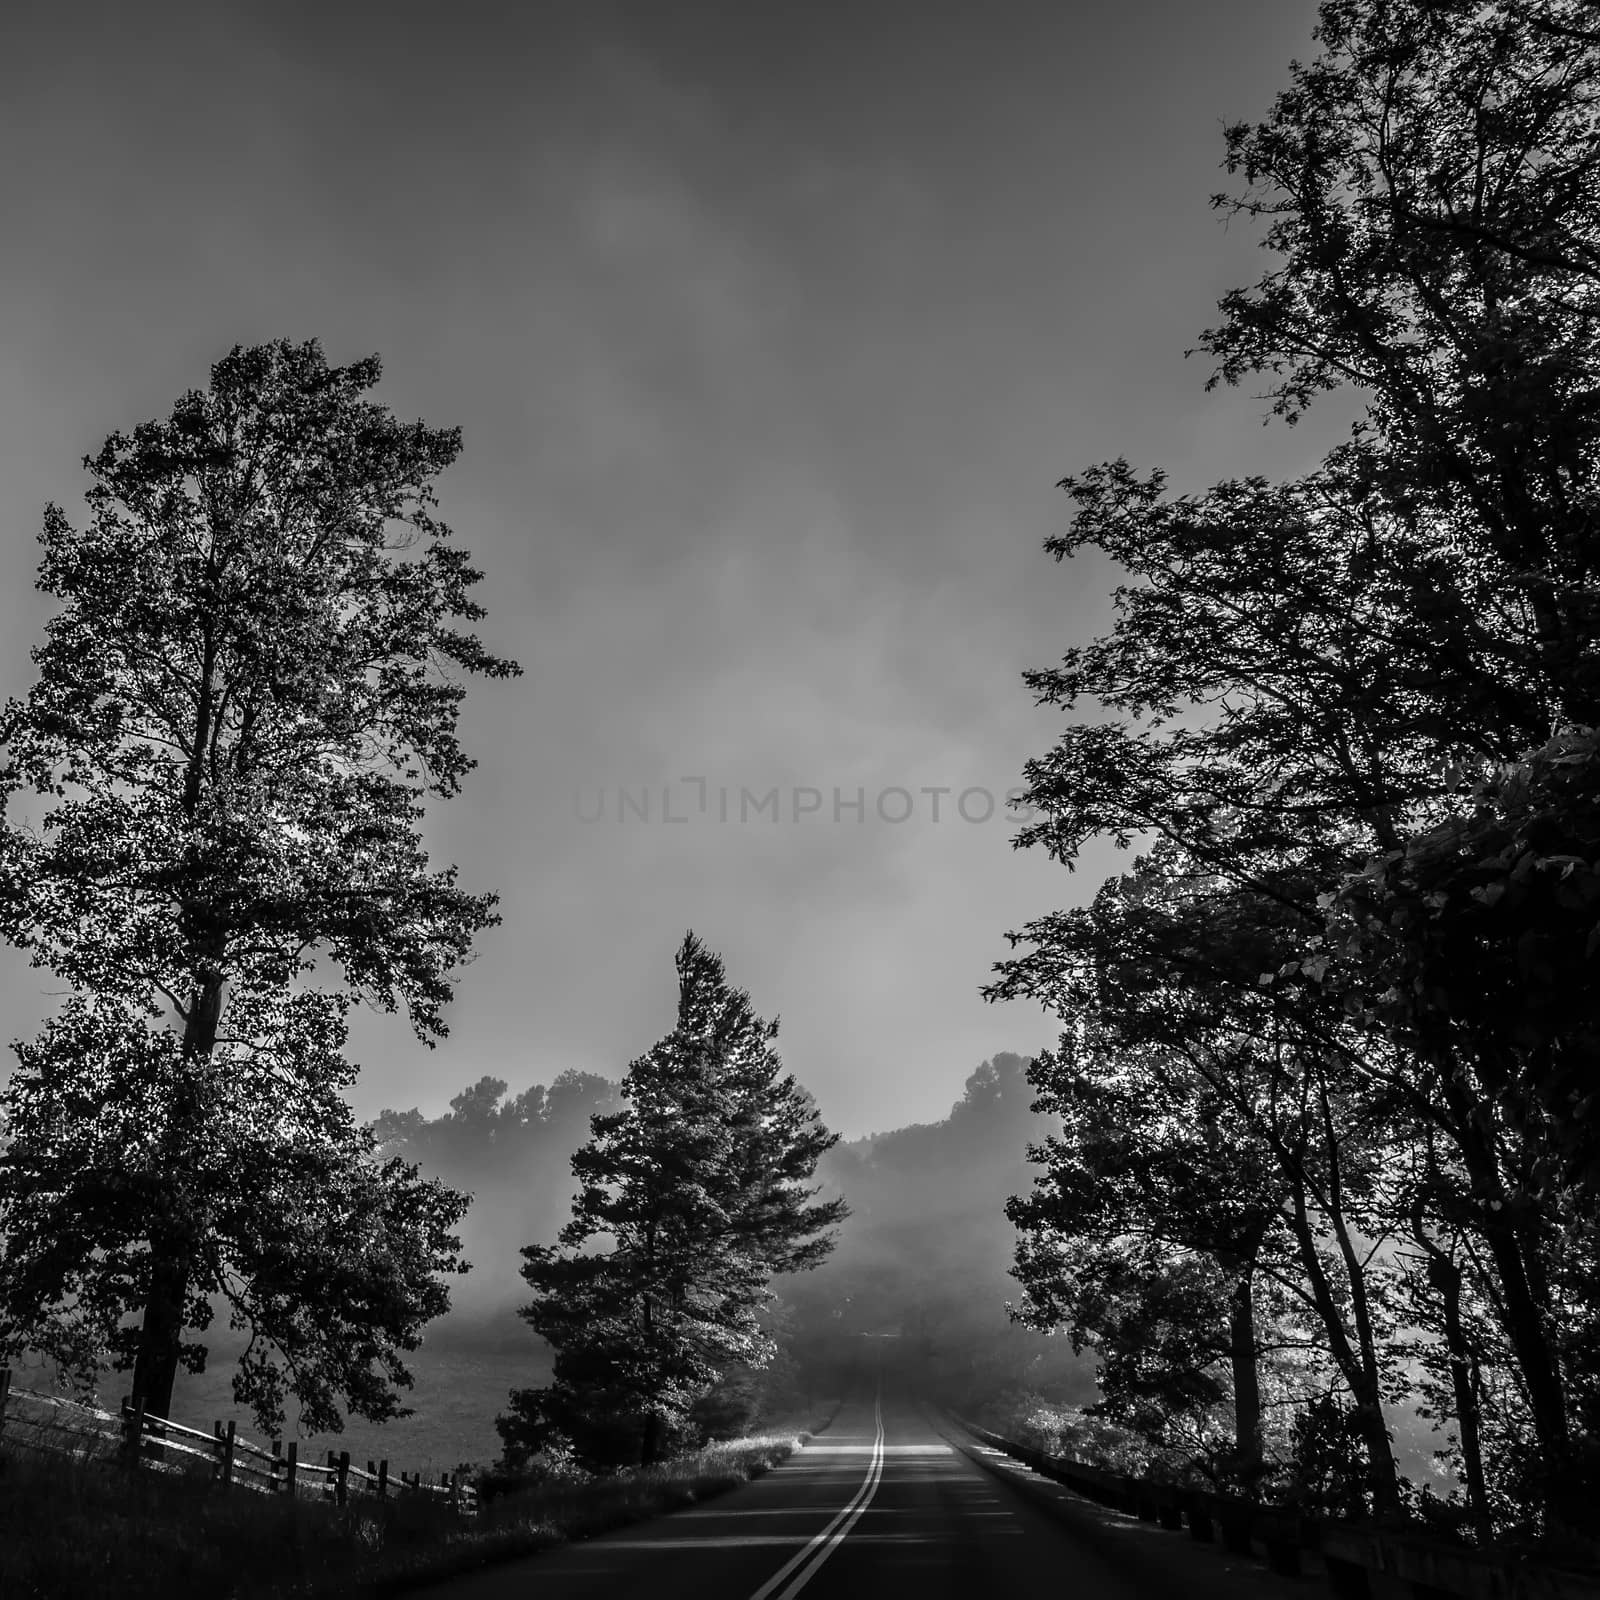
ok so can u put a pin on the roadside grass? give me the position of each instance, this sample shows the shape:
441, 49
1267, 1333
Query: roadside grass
89, 1530
522, 1524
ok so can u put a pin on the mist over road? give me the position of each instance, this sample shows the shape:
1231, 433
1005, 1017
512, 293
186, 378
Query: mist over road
881, 1504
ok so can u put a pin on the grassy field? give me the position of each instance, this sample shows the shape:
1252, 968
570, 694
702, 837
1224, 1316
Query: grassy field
463, 1373
88, 1531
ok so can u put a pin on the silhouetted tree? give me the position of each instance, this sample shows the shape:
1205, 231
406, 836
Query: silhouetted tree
1146, 1232
700, 1187
1160, 981
249, 687
1307, 676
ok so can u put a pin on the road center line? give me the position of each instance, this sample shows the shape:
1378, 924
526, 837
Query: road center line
826, 1542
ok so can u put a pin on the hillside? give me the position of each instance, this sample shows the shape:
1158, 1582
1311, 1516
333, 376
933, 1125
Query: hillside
924, 1255
927, 1250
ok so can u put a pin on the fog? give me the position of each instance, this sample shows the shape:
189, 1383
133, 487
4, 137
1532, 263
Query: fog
511, 1153
923, 1256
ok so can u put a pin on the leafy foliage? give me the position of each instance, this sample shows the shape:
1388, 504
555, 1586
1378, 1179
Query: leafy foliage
1351, 719
214, 790
1147, 1236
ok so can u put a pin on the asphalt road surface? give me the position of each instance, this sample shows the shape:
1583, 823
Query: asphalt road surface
883, 1504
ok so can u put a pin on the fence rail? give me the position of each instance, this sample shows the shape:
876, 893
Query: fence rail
1362, 1562
142, 1441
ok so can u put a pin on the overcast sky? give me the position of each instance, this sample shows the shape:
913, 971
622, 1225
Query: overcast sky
771, 328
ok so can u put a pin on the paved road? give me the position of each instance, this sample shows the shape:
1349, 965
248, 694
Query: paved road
881, 1505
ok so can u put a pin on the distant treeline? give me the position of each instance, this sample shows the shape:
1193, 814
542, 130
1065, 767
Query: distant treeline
512, 1154
925, 1253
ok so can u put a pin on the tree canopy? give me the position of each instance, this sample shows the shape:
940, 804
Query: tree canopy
1349, 720
248, 688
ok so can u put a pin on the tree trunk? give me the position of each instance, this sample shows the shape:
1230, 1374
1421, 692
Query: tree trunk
654, 1441
1358, 1368
1368, 1394
1446, 1278
172, 1248
1522, 1308
1247, 1436
155, 1367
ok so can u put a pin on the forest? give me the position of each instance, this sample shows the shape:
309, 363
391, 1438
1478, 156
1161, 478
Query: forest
1304, 1202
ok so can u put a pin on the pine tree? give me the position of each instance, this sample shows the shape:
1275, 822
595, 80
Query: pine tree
699, 1188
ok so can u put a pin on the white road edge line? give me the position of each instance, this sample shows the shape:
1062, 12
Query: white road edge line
821, 1547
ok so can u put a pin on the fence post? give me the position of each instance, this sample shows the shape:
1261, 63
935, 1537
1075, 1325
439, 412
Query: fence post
342, 1490
294, 1466
132, 1428
383, 1478
454, 1481
1234, 1520
216, 1434
227, 1457
5, 1390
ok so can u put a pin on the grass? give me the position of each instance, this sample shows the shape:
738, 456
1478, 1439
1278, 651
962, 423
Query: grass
92, 1531
462, 1378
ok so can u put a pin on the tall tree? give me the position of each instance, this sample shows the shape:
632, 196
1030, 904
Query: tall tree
1153, 1195
214, 788
1309, 674
1160, 979
1432, 189
700, 1187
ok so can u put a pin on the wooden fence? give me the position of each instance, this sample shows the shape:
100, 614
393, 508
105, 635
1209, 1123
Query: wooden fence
141, 1441
1362, 1562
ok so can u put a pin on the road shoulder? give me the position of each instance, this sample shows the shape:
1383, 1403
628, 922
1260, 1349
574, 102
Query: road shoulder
1162, 1560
